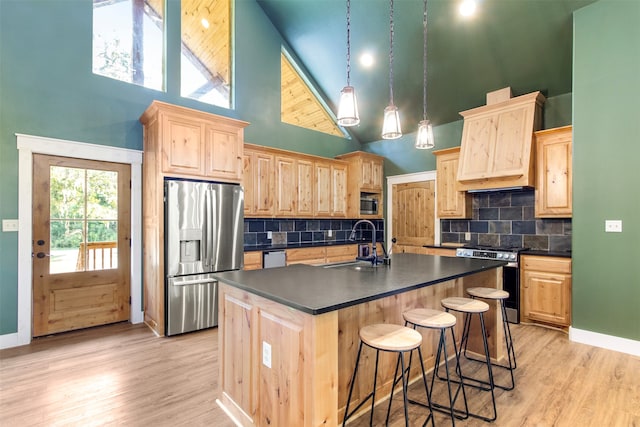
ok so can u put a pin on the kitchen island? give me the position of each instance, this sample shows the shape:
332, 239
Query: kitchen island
289, 336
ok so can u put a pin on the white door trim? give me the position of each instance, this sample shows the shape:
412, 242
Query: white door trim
27, 146
402, 179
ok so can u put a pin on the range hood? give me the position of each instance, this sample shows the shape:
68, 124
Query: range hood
497, 151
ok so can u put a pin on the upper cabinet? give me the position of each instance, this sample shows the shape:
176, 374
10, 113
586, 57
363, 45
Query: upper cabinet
193, 143
553, 173
451, 202
281, 183
366, 173
496, 148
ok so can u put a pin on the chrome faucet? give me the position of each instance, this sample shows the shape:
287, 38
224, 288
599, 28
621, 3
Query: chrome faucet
374, 257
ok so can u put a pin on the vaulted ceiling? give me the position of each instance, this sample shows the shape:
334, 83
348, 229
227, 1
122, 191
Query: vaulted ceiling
524, 44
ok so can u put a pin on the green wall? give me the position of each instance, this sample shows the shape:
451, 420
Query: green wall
606, 271
47, 89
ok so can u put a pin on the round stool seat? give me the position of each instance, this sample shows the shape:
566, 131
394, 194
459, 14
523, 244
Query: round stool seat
465, 305
390, 337
428, 318
488, 293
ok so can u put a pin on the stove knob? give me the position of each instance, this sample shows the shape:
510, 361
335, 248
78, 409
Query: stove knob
499, 256
512, 257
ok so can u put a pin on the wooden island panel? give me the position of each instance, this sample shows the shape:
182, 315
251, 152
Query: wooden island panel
312, 356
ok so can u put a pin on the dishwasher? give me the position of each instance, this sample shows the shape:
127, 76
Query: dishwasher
271, 259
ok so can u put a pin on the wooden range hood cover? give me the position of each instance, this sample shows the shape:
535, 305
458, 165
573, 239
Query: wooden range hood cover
496, 152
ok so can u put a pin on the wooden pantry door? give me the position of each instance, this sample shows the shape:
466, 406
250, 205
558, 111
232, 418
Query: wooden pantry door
413, 213
81, 243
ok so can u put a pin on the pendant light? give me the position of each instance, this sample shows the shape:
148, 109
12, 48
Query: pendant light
348, 106
424, 138
391, 124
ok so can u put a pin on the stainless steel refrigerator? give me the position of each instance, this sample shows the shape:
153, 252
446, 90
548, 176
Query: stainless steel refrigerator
204, 227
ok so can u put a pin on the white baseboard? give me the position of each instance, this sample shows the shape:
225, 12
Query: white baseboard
609, 342
9, 340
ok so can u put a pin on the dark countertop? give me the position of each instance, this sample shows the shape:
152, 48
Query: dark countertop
317, 290
562, 254
271, 247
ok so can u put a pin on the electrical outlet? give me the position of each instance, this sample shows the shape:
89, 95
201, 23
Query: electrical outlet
329, 233
613, 226
266, 354
9, 225
467, 236
269, 234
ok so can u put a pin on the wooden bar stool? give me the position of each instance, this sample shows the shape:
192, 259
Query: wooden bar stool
469, 307
393, 338
440, 320
501, 296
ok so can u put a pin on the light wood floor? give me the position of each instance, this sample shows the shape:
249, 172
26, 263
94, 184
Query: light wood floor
124, 375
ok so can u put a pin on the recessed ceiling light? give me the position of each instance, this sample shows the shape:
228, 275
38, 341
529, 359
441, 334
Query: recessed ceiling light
467, 7
366, 59
205, 23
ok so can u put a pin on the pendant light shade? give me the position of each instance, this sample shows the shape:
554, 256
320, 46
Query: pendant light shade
348, 106
391, 124
424, 137
424, 140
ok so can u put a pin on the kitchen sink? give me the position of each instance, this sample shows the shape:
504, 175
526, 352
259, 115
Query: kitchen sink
354, 265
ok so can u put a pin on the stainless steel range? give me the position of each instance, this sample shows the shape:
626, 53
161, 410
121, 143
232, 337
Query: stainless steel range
510, 272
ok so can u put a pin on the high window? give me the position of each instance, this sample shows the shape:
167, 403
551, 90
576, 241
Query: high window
205, 63
128, 41
300, 104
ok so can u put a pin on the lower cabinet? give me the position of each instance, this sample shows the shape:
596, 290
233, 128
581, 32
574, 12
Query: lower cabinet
253, 260
408, 249
545, 290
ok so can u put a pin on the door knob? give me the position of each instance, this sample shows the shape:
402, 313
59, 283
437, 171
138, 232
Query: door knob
393, 240
41, 255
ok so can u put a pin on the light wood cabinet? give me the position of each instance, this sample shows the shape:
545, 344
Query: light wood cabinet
313, 256
545, 290
286, 175
366, 174
496, 149
341, 253
330, 189
196, 144
554, 177
451, 202
253, 260
185, 143
304, 188
259, 183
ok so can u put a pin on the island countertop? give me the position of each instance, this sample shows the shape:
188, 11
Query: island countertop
317, 289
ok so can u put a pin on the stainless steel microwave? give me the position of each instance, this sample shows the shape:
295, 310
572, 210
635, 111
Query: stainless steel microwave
368, 206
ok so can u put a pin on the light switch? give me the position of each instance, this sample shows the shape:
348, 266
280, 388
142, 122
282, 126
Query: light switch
9, 225
269, 235
613, 226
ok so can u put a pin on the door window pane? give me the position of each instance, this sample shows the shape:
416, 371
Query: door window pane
128, 41
206, 51
84, 219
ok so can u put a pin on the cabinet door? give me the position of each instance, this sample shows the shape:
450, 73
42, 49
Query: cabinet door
451, 202
339, 190
263, 183
547, 297
305, 188
376, 174
371, 174
183, 146
513, 157
553, 173
248, 183
253, 260
286, 186
322, 200
223, 148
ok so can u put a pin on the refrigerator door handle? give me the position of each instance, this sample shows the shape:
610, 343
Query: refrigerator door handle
206, 232
194, 282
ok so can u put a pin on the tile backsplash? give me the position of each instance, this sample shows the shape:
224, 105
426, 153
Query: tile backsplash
506, 218
302, 231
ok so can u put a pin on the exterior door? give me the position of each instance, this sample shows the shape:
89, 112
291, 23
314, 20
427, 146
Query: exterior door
81, 248
413, 214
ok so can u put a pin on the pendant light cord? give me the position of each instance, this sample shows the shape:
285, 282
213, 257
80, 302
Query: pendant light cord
348, 41
391, 53
424, 62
